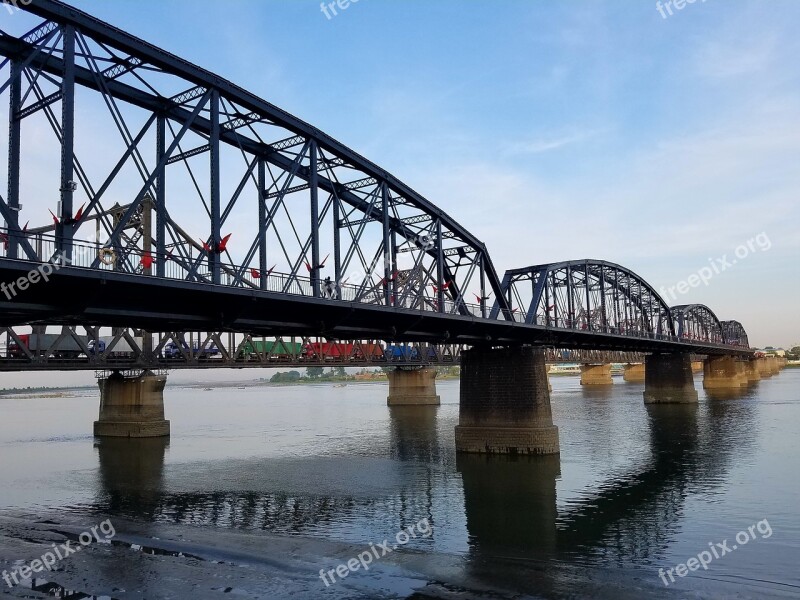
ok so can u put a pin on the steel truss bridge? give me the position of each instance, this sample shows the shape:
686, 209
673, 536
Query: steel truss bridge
176, 201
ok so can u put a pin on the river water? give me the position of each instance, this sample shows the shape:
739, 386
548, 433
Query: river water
261, 487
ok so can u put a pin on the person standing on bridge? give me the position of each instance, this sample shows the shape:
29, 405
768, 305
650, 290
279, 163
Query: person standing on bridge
329, 290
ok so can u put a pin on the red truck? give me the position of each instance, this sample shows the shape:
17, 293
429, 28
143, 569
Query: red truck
342, 351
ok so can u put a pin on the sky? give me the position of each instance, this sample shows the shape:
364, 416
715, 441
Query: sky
551, 130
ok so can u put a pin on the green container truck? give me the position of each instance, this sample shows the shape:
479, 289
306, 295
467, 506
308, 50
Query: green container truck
275, 351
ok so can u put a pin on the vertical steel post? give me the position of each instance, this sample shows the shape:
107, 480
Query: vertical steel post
313, 181
588, 297
214, 254
337, 242
603, 307
439, 266
13, 153
387, 251
161, 198
393, 268
483, 286
147, 230
547, 304
64, 232
570, 298
262, 222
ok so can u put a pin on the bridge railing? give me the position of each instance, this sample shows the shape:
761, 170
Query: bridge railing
96, 255
85, 254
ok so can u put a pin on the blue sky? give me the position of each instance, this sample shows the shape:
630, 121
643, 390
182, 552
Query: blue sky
552, 130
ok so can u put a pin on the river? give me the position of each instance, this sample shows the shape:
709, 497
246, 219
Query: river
260, 488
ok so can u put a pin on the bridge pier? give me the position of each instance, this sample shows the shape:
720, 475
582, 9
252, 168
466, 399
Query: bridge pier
697, 366
724, 373
774, 366
505, 403
596, 374
669, 379
767, 366
413, 387
751, 371
132, 407
634, 373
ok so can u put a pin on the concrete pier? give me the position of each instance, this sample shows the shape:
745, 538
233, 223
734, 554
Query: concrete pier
505, 403
669, 379
413, 387
596, 375
132, 407
774, 365
634, 373
724, 373
697, 366
751, 371
767, 366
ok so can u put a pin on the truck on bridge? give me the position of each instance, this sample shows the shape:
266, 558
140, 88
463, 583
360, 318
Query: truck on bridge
122, 349
208, 351
273, 350
330, 351
38, 344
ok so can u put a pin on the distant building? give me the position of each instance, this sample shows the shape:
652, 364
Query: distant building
770, 351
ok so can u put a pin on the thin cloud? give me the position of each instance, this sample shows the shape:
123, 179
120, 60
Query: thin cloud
539, 146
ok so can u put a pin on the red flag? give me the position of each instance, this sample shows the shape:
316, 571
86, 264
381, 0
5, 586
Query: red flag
147, 260
256, 274
224, 243
206, 247
79, 214
319, 266
55, 219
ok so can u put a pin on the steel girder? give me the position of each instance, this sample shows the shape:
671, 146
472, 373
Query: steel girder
734, 334
587, 295
178, 125
697, 322
76, 347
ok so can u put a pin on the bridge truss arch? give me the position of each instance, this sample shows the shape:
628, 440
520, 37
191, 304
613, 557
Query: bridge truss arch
734, 334
241, 192
592, 296
697, 322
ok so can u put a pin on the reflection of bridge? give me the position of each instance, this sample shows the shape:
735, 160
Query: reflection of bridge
510, 505
400, 268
